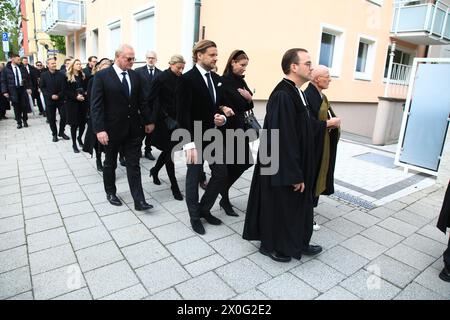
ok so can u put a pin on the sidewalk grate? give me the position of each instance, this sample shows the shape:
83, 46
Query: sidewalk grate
353, 200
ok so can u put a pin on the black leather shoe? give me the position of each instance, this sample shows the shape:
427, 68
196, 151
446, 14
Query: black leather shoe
155, 177
274, 255
312, 250
142, 206
75, 149
99, 165
211, 219
64, 136
112, 198
55, 139
149, 156
226, 205
19, 126
445, 274
25, 124
197, 226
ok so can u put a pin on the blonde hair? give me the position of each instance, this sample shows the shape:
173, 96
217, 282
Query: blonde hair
177, 58
71, 72
201, 47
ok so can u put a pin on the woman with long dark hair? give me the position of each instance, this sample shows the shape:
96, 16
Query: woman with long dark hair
238, 97
76, 105
162, 100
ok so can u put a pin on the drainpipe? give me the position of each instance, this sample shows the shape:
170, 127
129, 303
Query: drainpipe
198, 4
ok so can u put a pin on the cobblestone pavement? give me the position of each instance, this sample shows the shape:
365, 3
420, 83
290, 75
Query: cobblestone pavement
60, 239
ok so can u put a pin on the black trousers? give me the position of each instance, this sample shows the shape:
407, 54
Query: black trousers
51, 117
216, 185
39, 102
132, 153
234, 172
165, 158
21, 107
447, 255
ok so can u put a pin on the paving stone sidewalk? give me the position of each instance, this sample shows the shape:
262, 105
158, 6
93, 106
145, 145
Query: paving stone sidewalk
60, 239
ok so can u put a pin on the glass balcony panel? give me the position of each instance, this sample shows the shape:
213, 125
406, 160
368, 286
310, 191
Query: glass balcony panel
411, 18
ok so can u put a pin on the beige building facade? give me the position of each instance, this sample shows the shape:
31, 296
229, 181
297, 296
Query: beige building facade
352, 37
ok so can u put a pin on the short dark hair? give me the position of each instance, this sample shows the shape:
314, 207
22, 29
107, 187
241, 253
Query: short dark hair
92, 57
13, 55
23, 58
201, 47
289, 58
67, 59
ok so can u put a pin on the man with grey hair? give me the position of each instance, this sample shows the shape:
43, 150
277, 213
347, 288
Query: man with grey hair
327, 133
118, 110
148, 73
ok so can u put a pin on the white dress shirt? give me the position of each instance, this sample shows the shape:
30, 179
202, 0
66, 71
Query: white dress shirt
127, 76
16, 70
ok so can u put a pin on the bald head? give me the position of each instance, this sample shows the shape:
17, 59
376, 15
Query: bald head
320, 77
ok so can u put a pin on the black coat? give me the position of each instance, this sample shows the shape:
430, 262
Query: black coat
320, 127
145, 77
88, 73
277, 215
76, 111
8, 82
162, 101
444, 217
51, 84
112, 111
234, 100
194, 103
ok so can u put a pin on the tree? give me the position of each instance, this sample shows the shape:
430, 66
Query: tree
60, 43
9, 22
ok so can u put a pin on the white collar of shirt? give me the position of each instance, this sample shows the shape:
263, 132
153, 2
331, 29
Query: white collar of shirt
151, 68
300, 92
203, 72
16, 69
119, 74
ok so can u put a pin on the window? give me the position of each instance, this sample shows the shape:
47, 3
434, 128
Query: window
95, 42
114, 38
144, 37
401, 57
331, 49
365, 58
82, 53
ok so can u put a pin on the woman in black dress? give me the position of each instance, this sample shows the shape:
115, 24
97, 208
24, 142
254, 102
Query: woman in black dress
76, 105
90, 141
238, 97
162, 93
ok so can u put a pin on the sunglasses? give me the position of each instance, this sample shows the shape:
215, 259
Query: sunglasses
131, 59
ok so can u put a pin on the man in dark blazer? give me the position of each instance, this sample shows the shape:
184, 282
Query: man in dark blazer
16, 85
198, 98
118, 113
148, 73
52, 84
92, 61
34, 78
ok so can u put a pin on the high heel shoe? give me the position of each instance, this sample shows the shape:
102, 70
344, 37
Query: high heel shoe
177, 193
155, 177
226, 205
75, 149
80, 142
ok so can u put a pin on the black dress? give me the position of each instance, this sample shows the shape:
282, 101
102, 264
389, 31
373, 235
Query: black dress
234, 100
76, 110
162, 98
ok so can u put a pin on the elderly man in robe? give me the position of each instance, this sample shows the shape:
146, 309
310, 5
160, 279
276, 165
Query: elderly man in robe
326, 136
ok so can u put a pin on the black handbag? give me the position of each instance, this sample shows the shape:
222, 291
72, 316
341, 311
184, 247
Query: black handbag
170, 122
250, 122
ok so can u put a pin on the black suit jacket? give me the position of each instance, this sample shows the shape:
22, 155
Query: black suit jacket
194, 103
50, 84
8, 82
112, 111
145, 77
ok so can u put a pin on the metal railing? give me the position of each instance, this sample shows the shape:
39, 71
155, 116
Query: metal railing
397, 86
64, 11
422, 16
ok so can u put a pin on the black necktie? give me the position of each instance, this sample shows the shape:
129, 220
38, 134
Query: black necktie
17, 77
150, 74
210, 86
125, 86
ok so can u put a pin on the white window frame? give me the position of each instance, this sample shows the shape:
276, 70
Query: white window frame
338, 54
140, 14
80, 54
377, 2
370, 59
111, 26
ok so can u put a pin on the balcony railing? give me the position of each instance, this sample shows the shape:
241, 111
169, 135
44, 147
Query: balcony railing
421, 22
64, 16
397, 86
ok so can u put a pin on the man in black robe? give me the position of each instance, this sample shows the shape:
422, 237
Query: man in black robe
280, 206
327, 133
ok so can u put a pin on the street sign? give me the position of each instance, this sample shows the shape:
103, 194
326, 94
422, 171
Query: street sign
5, 41
53, 51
